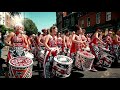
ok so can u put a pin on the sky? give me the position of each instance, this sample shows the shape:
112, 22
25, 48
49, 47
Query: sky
41, 19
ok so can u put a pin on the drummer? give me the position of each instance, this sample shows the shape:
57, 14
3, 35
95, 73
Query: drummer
66, 41
94, 47
76, 43
116, 46
41, 38
16, 39
84, 39
88, 38
60, 42
51, 50
109, 41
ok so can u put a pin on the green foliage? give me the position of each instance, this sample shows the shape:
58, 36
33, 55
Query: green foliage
30, 27
3, 29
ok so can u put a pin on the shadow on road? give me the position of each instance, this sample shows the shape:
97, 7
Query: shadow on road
100, 69
76, 74
115, 65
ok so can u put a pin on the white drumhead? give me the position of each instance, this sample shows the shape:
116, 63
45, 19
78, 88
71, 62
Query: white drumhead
86, 54
63, 59
20, 62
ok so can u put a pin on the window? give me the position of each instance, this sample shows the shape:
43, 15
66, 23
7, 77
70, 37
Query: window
98, 18
82, 23
88, 21
108, 16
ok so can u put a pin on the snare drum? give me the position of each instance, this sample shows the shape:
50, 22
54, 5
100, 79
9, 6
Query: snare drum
62, 66
20, 67
41, 56
84, 60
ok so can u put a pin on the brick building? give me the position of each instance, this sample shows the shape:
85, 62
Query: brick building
104, 20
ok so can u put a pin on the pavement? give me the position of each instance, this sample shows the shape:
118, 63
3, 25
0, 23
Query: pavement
105, 73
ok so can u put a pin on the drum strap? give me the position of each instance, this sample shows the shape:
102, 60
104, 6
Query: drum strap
47, 56
9, 56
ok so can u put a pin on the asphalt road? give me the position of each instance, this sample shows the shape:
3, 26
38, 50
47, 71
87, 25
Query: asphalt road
105, 73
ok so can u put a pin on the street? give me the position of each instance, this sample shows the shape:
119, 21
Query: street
106, 73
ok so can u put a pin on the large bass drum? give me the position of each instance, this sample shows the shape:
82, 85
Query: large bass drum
20, 67
62, 66
84, 60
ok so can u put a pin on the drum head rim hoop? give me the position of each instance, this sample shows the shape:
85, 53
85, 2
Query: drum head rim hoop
65, 63
81, 53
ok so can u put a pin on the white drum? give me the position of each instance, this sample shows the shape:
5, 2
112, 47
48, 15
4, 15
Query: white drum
20, 67
29, 55
84, 60
41, 56
62, 66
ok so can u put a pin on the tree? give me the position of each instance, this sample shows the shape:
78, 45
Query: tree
30, 27
14, 13
3, 29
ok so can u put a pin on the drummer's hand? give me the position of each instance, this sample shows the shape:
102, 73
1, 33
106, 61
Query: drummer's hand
58, 49
27, 49
104, 43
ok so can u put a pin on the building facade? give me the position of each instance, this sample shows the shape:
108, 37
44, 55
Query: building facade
104, 20
6, 19
59, 20
66, 20
2, 18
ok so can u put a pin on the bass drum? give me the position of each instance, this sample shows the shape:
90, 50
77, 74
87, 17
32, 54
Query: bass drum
62, 66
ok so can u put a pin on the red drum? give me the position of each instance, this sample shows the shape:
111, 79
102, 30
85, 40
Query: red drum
84, 60
20, 67
62, 66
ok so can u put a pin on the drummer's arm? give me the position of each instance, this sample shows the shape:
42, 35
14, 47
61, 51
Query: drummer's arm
46, 41
39, 38
26, 42
7, 41
75, 41
117, 39
64, 41
99, 39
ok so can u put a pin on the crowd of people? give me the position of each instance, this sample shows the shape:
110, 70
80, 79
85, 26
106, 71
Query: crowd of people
50, 42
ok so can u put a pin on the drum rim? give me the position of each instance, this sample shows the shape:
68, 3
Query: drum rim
21, 66
104, 49
81, 53
66, 63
